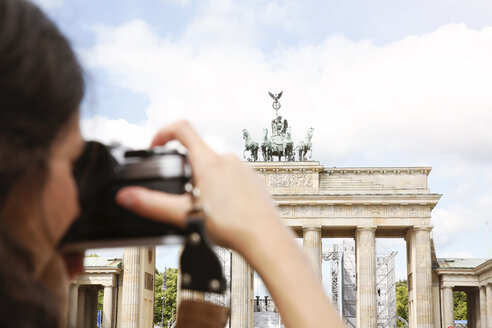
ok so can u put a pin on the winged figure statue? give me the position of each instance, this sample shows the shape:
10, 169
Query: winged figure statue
275, 97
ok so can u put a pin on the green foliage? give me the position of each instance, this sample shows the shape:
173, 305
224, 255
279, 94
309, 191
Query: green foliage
459, 305
170, 296
100, 299
402, 301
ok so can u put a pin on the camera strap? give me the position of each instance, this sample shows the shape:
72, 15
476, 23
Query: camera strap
200, 267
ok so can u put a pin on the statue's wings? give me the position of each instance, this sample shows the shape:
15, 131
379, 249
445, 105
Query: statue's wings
271, 95
280, 95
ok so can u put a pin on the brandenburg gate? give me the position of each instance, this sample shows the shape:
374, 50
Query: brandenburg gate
363, 203
360, 203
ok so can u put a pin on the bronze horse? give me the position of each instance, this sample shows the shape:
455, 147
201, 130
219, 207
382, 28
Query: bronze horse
251, 146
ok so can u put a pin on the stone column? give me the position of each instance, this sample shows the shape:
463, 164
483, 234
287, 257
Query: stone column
73, 302
107, 320
436, 300
312, 246
423, 278
478, 319
471, 307
89, 295
448, 306
365, 241
81, 307
489, 304
131, 288
93, 319
241, 286
483, 306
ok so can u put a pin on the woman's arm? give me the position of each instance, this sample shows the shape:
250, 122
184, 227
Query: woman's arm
291, 280
241, 216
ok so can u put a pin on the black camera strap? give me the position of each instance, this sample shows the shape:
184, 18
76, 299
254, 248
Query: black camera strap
201, 269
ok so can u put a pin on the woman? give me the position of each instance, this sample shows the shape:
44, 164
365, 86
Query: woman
41, 87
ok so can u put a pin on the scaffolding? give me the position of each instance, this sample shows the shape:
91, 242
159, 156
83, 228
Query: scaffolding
224, 256
342, 286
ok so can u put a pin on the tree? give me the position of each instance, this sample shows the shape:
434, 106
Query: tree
402, 301
100, 299
459, 305
170, 296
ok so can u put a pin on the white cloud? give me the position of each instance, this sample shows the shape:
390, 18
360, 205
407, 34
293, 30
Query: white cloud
240, 22
423, 100
48, 4
422, 95
115, 131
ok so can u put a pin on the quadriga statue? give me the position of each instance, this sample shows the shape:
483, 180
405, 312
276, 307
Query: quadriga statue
266, 147
305, 145
251, 146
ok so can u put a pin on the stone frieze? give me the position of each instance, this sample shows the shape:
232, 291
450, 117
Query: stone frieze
288, 180
354, 211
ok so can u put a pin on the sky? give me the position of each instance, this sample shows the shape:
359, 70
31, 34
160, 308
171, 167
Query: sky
383, 83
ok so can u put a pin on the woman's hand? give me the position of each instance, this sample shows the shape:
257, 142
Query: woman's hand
238, 206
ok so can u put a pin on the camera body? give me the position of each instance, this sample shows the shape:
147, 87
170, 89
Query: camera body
103, 170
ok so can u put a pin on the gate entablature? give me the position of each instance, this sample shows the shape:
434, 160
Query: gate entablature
391, 199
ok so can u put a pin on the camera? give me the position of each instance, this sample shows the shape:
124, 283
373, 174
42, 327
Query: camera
103, 170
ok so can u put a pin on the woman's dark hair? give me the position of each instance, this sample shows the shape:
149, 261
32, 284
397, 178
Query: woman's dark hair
41, 87
24, 302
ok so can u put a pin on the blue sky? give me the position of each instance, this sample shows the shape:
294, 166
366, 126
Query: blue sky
384, 83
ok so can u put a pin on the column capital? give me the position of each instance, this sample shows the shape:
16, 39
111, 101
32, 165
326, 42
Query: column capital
315, 227
108, 285
366, 228
423, 228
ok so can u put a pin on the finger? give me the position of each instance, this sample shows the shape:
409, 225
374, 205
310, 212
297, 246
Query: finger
184, 133
155, 205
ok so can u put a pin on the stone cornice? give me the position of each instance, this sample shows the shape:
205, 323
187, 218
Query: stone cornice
484, 267
315, 166
383, 170
102, 270
362, 199
287, 166
455, 272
